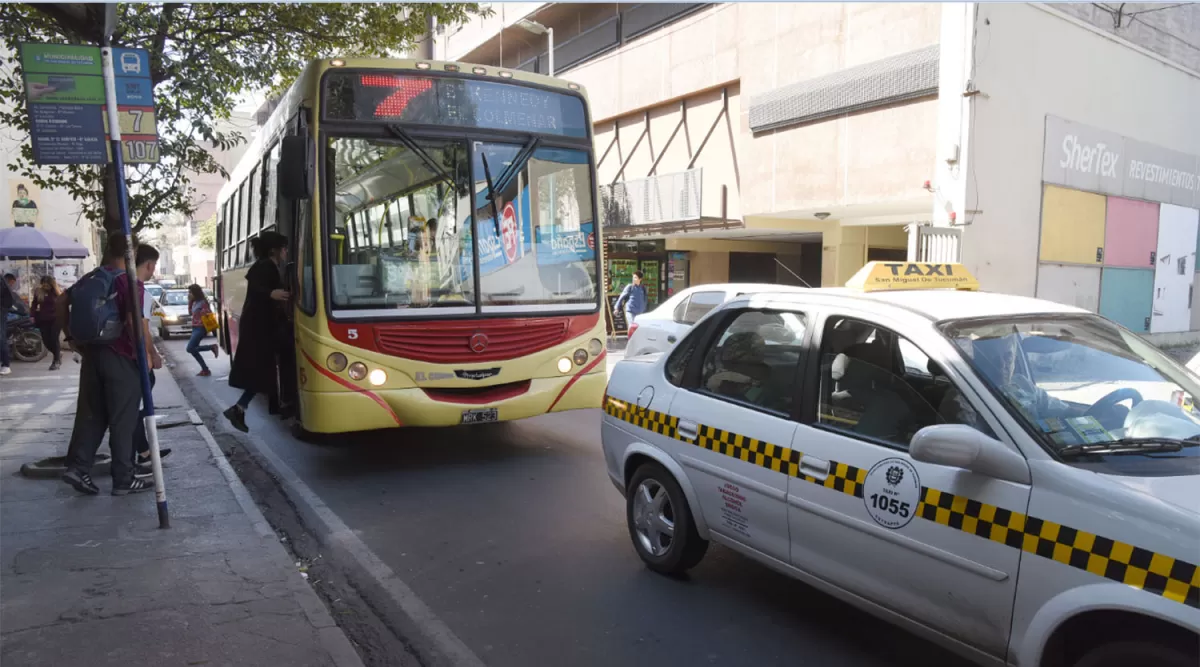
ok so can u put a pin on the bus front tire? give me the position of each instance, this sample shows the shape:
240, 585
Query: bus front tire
304, 435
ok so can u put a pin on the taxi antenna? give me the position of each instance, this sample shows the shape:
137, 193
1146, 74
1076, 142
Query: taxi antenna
785, 268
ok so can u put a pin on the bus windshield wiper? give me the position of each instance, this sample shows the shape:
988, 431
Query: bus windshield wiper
491, 195
411, 145
1126, 446
518, 163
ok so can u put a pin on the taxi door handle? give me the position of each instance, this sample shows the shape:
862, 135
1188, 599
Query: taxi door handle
687, 430
814, 467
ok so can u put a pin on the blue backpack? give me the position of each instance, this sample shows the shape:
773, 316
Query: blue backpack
95, 317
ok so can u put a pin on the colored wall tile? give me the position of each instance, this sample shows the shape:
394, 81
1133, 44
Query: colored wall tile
1130, 233
1077, 286
1126, 297
1072, 226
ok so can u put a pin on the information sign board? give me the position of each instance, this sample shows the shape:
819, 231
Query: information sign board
64, 87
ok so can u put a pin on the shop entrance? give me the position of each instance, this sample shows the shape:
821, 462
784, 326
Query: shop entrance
752, 267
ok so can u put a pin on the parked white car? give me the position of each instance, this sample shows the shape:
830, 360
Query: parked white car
658, 330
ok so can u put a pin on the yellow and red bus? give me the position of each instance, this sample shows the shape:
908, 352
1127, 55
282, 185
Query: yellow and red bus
445, 245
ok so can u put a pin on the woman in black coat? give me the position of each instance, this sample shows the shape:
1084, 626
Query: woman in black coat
254, 362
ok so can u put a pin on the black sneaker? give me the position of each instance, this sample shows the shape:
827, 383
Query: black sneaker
136, 486
81, 481
237, 416
163, 452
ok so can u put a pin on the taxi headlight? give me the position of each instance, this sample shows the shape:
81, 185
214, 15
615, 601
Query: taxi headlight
358, 370
581, 357
377, 377
564, 365
595, 347
336, 362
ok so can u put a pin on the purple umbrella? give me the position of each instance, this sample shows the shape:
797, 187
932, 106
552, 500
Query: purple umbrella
33, 243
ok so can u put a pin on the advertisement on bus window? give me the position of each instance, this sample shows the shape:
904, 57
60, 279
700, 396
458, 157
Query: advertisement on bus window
513, 241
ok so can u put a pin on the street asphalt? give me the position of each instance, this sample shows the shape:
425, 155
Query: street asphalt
513, 536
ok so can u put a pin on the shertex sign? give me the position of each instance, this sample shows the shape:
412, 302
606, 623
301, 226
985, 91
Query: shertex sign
1086, 158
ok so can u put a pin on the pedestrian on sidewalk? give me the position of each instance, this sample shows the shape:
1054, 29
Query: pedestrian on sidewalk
633, 297
109, 386
7, 303
45, 311
141, 444
255, 370
198, 307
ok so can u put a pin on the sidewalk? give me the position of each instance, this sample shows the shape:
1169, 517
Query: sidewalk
92, 580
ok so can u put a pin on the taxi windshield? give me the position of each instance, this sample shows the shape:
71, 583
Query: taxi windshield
1084, 385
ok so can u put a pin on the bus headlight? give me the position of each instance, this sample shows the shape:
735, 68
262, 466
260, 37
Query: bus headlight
564, 365
595, 347
358, 370
377, 377
580, 357
336, 362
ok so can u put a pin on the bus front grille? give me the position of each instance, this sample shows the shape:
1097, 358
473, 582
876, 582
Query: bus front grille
471, 341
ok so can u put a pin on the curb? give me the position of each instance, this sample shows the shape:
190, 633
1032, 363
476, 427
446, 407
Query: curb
439, 647
331, 637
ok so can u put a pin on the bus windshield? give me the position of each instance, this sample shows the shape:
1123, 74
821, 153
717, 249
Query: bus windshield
401, 237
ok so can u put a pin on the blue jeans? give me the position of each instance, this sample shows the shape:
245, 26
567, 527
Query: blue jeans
194, 347
4, 353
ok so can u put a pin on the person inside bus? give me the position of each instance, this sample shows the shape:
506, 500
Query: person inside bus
255, 369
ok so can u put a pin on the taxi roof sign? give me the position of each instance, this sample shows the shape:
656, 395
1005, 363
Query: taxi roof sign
886, 276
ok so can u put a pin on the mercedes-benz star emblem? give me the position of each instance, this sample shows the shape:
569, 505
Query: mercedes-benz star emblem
479, 343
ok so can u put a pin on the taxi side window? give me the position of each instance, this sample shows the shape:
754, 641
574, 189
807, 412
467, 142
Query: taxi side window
878, 384
681, 356
754, 359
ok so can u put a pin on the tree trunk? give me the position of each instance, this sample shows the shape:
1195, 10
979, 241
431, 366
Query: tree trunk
112, 212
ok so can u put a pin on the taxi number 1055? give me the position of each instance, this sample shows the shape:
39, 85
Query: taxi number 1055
889, 505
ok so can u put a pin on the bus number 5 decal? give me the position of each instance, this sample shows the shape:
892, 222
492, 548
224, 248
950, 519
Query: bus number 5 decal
352, 334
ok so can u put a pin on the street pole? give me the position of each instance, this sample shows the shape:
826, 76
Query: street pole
132, 298
550, 37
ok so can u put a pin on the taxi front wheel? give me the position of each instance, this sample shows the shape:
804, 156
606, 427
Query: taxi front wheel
1124, 653
660, 522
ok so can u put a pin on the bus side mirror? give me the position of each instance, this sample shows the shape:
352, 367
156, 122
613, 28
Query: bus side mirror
295, 168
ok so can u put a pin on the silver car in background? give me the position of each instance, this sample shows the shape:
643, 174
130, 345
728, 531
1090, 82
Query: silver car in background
658, 330
176, 320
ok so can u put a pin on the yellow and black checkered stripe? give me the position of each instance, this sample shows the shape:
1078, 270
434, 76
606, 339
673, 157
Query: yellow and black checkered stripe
1172, 578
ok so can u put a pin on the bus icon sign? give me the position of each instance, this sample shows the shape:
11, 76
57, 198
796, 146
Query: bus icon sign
130, 63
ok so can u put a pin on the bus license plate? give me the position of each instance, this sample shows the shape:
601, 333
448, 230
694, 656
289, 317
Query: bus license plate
481, 416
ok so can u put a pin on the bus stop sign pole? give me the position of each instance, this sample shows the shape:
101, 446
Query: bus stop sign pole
118, 161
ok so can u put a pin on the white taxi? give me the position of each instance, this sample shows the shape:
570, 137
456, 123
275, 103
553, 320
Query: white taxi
1015, 479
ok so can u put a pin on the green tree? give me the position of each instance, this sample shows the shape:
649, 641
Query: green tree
206, 234
204, 57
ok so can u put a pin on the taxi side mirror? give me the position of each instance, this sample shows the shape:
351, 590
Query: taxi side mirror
961, 446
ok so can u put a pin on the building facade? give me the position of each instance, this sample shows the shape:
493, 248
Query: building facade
1079, 155
756, 142
1052, 148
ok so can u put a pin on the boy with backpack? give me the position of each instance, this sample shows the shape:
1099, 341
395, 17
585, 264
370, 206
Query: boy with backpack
98, 317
